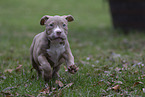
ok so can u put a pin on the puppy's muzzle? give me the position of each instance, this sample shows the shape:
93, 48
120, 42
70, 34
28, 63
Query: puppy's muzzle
58, 33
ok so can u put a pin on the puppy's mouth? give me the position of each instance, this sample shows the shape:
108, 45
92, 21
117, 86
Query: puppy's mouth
58, 38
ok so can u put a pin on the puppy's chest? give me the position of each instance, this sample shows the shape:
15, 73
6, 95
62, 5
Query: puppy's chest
55, 51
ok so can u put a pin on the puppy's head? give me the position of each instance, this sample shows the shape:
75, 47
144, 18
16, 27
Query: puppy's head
56, 26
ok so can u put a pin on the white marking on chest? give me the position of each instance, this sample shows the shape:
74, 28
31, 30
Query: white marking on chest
55, 51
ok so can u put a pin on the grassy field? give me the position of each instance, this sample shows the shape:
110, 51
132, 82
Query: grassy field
110, 63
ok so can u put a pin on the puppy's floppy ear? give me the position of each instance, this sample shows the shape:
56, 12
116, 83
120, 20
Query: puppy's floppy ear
44, 19
69, 18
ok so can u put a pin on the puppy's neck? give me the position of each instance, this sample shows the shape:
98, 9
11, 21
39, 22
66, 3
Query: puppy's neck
56, 43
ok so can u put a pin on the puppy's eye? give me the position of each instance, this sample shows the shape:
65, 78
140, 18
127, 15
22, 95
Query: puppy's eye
64, 25
51, 25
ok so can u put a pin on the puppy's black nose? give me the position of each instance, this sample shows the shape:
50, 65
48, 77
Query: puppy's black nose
58, 33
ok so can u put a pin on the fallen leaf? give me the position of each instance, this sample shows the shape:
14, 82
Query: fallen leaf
142, 65
114, 55
88, 58
136, 83
123, 61
65, 68
97, 61
8, 70
26, 85
60, 84
18, 68
139, 63
2, 77
6, 93
108, 89
116, 88
125, 66
136, 72
119, 82
59, 91
121, 94
112, 75
16, 94
100, 82
84, 62
108, 72
68, 85
143, 89
117, 69
28, 95
143, 75
59, 94
88, 74
45, 91
108, 83
9, 88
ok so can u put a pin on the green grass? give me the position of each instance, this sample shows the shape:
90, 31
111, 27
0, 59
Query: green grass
104, 56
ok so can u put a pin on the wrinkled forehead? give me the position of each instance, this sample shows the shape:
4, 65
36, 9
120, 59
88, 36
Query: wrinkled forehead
57, 19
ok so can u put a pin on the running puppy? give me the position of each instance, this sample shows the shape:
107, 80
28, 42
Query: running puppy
50, 48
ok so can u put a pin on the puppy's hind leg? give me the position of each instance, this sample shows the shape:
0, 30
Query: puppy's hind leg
35, 66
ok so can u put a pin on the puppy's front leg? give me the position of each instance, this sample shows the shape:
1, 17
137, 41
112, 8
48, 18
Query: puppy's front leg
45, 68
55, 71
72, 68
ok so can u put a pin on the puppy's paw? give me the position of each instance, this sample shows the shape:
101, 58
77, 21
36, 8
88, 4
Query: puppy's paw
73, 69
